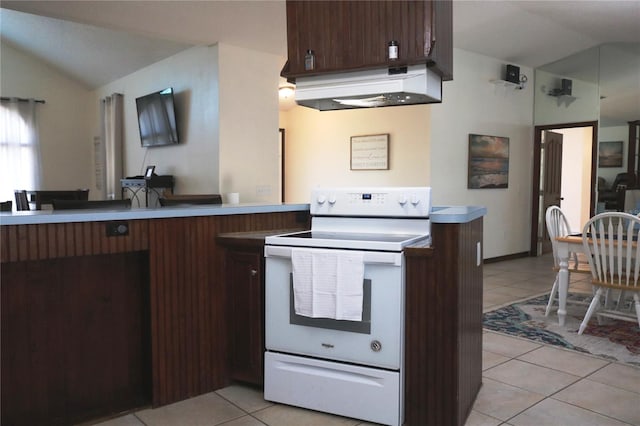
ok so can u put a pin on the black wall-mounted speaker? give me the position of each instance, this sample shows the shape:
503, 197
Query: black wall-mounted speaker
566, 87
513, 74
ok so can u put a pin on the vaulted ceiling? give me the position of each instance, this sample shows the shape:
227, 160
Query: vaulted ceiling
96, 42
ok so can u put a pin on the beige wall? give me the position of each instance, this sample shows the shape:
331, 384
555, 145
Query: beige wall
193, 74
428, 146
318, 147
64, 120
554, 110
232, 145
227, 113
472, 104
249, 162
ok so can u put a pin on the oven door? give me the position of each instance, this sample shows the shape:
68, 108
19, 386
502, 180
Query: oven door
374, 341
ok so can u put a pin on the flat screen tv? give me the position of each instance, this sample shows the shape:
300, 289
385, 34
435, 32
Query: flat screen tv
157, 119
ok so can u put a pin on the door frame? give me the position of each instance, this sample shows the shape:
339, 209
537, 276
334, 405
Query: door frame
281, 135
550, 167
535, 181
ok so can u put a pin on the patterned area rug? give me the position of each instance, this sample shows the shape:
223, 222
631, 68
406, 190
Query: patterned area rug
616, 341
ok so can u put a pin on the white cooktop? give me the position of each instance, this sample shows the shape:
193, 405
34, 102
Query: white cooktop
385, 219
346, 240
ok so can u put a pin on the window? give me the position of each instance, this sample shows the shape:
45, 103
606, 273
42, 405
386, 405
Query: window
19, 148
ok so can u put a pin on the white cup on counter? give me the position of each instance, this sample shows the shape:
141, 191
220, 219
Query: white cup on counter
233, 198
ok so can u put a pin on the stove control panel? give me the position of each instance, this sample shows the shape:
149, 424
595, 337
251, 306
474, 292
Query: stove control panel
372, 201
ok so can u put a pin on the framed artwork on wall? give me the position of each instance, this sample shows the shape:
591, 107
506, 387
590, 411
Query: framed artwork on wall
370, 152
488, 162
610, 154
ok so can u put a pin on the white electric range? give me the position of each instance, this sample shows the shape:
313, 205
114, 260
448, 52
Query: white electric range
350, 367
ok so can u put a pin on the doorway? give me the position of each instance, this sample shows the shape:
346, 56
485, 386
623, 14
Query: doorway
548, 169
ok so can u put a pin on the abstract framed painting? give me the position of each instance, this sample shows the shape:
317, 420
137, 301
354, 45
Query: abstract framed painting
488, 162
610, 154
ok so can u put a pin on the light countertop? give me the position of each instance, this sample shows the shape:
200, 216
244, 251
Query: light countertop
69, 216
439, 214
456, 214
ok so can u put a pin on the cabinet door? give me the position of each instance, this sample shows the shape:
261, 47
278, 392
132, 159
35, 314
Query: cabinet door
246, 315
351, 35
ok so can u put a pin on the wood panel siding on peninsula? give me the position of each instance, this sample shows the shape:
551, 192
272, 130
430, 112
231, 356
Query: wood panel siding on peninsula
176, 260
443, 333
169, 273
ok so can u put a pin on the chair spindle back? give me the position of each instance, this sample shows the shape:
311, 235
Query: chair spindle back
611, 240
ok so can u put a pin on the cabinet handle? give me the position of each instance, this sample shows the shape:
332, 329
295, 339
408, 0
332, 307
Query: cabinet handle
254, 272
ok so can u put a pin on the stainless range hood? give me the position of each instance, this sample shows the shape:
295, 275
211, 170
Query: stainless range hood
415, 84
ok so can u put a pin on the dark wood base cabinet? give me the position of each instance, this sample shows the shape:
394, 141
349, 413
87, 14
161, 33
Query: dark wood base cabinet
443, 357
93, 325
75, 338
244, 274
245, 286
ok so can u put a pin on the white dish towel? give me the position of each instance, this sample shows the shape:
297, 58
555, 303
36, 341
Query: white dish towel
328, 283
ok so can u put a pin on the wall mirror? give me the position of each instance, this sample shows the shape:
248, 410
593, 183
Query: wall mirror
606, 96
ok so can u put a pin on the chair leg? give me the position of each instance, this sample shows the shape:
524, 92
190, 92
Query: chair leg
552, 296
636, 298
608, 295
592, 307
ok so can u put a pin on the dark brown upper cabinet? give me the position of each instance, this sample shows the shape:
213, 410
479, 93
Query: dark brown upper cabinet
355, 35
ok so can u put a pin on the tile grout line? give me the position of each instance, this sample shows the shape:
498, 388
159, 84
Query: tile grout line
589, 409
246, 413
551, 396
135, 414
561, 371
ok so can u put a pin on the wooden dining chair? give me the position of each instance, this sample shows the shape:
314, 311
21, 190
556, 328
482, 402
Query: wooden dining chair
611, 241
22, 201
558, 226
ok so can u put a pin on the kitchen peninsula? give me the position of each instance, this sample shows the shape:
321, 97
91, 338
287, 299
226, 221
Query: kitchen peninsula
93, 325
104, 311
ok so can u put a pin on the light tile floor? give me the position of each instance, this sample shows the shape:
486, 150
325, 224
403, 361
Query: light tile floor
524, 383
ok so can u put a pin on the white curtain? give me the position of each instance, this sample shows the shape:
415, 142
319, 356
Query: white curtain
20, 165
112, 112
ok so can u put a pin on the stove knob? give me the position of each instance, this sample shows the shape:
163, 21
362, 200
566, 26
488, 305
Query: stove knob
376, 346
321, 199
332, 199
415, 200
402, 200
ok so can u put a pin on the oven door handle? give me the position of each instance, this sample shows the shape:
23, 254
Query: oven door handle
368, 257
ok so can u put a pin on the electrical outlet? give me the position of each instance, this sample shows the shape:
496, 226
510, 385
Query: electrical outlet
263, 190
117, 228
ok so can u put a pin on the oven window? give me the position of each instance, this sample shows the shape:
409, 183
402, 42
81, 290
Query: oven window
363, 326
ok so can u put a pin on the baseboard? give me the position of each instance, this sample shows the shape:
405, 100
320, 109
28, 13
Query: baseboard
506, 257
